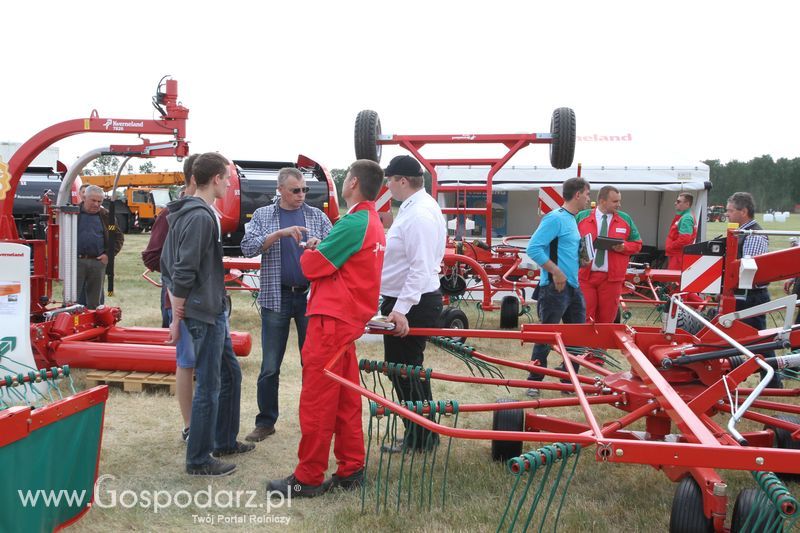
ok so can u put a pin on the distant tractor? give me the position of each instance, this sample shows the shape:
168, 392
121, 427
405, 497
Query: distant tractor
716, 213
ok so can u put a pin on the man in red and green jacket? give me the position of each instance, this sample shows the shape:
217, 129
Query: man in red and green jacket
682, 231
601, 280
345, 274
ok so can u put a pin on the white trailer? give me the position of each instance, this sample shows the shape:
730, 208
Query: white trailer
648, 195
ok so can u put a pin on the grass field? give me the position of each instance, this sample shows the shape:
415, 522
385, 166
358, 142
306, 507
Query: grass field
142, 450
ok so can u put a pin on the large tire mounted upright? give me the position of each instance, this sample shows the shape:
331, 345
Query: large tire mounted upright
562, 126
368, 129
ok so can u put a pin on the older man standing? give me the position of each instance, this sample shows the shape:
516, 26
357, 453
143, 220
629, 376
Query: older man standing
276, 232
410, 280
94, 245
741, 210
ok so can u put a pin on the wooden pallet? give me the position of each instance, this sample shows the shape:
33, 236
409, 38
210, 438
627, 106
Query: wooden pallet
131, 381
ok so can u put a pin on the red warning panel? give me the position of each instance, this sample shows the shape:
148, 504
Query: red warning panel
549, 199
384, 201
702, 273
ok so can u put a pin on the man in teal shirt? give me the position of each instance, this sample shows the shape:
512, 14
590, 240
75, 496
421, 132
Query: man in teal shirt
555, 246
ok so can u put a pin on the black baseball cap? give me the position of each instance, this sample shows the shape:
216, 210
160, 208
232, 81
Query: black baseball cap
403, 165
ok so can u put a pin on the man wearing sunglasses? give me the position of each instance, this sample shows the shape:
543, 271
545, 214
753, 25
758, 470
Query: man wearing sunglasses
280, 232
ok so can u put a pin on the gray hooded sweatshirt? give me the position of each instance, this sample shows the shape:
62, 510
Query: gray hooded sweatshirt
191, 261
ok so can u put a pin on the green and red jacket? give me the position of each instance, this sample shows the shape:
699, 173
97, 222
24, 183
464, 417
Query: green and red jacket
682, 231
345, 269
620, 226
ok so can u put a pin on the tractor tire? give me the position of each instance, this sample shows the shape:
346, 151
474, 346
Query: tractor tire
562, 127
122, 222
368, 129
507, 420
783, 440
745, 502
453, 318
509, 312
687, 509
723, 218
687, 322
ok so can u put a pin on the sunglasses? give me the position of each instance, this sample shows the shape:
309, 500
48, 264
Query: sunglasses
298, 190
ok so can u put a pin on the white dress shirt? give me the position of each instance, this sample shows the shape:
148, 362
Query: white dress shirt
598, 215
414, 249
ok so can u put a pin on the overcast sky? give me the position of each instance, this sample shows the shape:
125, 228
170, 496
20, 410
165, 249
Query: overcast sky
685, 81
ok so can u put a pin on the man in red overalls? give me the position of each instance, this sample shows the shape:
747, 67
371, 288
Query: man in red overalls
345, 274
682, 231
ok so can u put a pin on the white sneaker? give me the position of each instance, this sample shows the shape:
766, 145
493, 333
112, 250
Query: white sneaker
532, 393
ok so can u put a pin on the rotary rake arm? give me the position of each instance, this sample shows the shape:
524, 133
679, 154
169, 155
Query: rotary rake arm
683, 410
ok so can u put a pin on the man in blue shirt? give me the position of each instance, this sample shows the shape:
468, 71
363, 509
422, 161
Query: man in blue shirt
276, 232
555, 246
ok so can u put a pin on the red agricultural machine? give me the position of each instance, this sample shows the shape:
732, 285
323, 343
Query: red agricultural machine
483, 269
686, 409
491, 268
67, 333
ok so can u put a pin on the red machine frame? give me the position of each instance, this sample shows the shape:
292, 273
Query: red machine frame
655, 391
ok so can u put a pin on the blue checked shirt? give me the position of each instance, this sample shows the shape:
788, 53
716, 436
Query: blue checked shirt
754, 244
265, 221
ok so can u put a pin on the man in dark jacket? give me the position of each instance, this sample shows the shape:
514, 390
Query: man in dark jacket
191, 266
95, 243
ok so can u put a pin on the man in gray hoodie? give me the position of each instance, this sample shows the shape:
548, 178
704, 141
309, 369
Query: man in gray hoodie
191, 264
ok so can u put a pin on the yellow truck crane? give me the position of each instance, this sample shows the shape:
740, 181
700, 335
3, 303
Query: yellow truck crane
145, 197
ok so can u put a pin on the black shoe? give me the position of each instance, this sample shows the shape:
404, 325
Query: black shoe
351, 482
185, 434
291, 485
241, 447
214, 468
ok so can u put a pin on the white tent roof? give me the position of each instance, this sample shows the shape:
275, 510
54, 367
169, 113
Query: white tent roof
691, 177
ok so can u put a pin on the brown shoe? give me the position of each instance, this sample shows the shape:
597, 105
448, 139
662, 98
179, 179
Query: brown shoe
260, 433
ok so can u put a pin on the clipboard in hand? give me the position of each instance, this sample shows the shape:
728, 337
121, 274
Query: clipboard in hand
606, 243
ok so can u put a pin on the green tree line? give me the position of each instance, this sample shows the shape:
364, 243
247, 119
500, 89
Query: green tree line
774, 184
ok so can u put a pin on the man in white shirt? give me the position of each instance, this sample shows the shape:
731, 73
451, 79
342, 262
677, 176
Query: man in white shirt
410, 280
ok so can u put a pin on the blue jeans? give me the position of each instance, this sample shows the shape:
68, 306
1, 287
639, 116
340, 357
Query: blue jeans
217, 395
274, 334
554, 307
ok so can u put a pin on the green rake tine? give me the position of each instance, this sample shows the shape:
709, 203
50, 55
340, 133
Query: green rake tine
535, 461
520, 462
567, 484
373, 408
558, 446
392, 434
549, 454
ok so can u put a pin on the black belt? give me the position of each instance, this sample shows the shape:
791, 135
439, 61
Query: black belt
87, 256
295, 288
745, 292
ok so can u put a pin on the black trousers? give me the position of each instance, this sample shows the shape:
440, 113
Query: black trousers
752, 298
411, 351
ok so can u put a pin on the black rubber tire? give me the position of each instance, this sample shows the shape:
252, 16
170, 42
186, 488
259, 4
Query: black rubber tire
687, 509
562, 126
507, 420
453, 285
618, 317
122, 222
783, 440
509, 312
368, 129
454, 318
741, 510
686, 322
